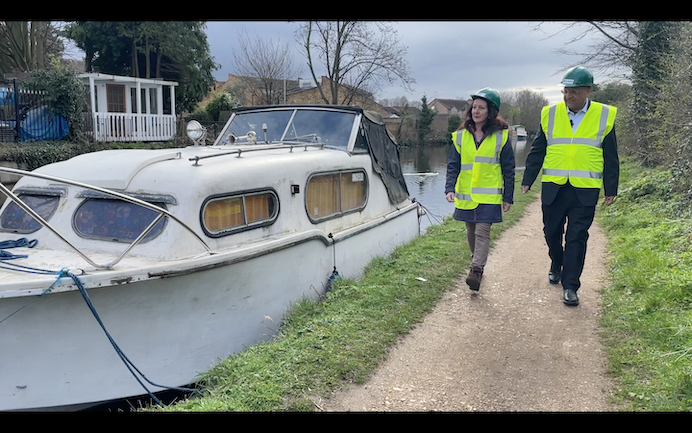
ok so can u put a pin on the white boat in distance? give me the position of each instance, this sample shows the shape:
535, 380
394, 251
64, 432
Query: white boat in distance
135, 270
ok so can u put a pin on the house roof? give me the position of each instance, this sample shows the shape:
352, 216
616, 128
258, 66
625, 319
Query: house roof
459, 104
124, 79
399, 111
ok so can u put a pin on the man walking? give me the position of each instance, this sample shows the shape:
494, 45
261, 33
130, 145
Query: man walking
577, 148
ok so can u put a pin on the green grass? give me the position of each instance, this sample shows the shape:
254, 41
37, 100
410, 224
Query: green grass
343, 338
647, 310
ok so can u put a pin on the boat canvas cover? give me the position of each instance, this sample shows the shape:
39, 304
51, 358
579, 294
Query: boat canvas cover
385, 156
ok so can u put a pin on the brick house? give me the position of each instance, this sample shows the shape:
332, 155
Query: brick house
449, 106
298, 91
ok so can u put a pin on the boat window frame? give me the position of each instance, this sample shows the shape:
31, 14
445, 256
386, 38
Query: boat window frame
53, 192
340, 213
91, 196
245, 227
220, 138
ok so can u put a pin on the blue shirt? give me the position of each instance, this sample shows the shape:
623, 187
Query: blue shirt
576, 118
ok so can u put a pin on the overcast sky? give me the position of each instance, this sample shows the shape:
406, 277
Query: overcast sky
448, 59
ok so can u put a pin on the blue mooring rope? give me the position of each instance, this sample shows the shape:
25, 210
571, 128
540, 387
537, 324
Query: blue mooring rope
23, 242
66, 273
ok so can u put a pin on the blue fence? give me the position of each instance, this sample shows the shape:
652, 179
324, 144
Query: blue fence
27, 116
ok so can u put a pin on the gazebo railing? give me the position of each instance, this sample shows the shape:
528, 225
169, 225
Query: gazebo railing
133, 127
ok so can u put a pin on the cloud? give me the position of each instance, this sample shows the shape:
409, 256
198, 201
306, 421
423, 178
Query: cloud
448, 59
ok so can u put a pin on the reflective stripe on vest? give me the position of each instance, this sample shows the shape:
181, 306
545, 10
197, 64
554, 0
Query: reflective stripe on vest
576, 157
597, 142
479, 181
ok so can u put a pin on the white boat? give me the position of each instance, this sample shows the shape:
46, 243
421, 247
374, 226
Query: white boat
159, 263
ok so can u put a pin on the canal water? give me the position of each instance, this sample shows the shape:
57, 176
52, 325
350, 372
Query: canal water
425, 170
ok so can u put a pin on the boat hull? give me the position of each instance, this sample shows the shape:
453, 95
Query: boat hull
176, 323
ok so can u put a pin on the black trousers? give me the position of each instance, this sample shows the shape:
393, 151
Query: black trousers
566, 208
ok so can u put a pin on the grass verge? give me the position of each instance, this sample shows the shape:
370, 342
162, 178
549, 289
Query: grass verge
647, 309
343, 338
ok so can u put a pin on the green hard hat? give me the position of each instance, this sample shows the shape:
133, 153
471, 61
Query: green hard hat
489, 95
578, 76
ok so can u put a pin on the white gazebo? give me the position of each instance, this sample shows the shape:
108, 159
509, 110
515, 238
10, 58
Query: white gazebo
130, 109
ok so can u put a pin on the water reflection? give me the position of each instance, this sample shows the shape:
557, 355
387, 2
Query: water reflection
425, 171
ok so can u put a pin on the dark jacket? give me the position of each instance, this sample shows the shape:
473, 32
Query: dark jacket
587, 196
484, 213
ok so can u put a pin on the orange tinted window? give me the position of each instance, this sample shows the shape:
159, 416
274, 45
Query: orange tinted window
231, 213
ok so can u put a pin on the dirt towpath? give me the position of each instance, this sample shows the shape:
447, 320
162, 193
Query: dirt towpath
514, 346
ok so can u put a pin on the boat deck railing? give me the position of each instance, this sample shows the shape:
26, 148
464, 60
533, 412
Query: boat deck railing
160, 214
238, 152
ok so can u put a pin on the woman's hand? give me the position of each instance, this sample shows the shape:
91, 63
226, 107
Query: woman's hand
450, 197
506, 206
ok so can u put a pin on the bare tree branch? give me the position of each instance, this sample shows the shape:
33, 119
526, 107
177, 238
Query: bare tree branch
357, 56
609, 54
263, 67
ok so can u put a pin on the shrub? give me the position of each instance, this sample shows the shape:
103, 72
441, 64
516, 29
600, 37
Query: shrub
64, 92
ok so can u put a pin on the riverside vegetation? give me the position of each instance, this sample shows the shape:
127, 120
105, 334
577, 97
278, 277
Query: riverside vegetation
647, 308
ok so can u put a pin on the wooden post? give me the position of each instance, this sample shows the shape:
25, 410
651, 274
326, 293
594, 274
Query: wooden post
94, 127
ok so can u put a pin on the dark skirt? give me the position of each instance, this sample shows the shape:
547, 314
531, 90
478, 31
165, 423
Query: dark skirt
484, 213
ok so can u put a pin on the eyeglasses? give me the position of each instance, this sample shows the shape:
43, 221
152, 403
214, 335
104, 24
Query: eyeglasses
571, 91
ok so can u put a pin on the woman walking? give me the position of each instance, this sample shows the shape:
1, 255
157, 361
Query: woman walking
480, 176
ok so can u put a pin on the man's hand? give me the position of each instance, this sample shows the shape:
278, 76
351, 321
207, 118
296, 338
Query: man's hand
450, 197
608, 200
525, 189
506, 206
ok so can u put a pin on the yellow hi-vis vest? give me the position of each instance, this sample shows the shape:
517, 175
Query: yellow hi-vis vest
480, 177
576, 157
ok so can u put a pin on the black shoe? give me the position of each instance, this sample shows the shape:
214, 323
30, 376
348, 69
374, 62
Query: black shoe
554, 277
474, 278
570, 297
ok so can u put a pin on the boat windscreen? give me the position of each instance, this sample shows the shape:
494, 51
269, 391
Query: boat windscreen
332, 128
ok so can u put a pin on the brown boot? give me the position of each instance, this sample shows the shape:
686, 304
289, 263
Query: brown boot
474, 278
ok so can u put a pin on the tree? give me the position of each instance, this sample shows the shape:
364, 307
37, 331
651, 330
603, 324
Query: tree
170, 50
268, 64
63, 91
27, 45
424, 121
220, 101
672, 136
612, 93
648, 72
357, 56
105, 49
525, 107
608, 54
453, 123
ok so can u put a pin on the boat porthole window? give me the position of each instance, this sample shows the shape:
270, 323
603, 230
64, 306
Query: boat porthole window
14, 219
115, 220
230, 214
333, 194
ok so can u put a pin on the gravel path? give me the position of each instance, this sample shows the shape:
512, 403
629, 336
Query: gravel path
514, 346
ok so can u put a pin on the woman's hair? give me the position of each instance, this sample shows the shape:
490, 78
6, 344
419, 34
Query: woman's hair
495, 122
